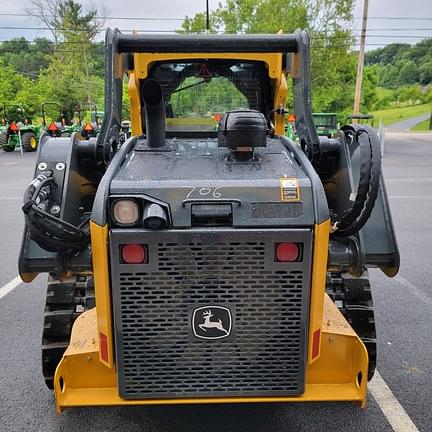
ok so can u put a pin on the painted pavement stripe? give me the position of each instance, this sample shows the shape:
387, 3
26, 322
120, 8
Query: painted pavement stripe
390, 406
420, 294
10, 286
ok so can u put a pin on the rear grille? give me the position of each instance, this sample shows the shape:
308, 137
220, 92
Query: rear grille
157, 355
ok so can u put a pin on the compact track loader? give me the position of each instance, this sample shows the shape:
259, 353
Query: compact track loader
205, 262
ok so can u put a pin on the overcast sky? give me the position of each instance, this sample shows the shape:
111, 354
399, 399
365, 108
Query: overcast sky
383, 28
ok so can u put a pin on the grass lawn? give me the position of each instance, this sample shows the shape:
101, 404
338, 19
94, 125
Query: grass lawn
382, 92
423, 126
394, 115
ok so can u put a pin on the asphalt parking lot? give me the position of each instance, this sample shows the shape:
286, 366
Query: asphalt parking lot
403, 313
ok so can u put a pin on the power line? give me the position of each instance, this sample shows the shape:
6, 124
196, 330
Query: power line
182, 19
98, 17
397, 29
397, 18
220, 32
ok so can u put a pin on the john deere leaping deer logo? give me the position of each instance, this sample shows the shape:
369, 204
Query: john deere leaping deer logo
212, 322
207, 324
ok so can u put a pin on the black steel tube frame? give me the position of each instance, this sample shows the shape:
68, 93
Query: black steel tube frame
151, 43
117, 44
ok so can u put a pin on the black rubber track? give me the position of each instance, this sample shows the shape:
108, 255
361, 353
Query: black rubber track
65, 301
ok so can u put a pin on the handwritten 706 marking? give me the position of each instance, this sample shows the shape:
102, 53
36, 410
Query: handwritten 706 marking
211, 192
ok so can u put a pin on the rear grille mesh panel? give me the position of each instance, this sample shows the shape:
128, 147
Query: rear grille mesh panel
156, 355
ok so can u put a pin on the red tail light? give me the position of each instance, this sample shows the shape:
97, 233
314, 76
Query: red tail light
53, 127
13, 127
287, 252
134, 254
88, 127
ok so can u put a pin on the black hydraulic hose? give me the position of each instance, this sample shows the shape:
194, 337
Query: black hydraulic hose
36, 185
48, 231
279, 110
367, 192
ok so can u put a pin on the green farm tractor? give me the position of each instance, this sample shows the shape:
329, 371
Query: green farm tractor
325, 124
89, 127
17, 131
57, 127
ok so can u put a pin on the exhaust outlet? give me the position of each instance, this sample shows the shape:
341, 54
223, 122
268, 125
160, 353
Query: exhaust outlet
154, 113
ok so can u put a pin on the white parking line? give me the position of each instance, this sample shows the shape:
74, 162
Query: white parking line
420, 294
390, 406
10, 286
410, 196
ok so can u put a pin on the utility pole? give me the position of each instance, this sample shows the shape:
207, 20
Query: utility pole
357, 95
207, 17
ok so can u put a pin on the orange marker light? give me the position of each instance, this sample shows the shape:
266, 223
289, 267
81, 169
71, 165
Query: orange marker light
103, 340
53, 127
88, 127
13, 127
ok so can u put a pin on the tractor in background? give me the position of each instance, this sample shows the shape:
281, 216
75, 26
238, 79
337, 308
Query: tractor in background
89, 128
325, 124
57, 127
17, 130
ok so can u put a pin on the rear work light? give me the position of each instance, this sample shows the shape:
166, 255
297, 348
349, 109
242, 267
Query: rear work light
287, 252
134, 253
126, 212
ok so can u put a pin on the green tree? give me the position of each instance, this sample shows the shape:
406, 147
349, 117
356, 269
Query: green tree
15, 88
329, 24
74, 29
8, 82
27, 58
411, 95
369, 85
402, 64
408, 73
197, 24
425, 72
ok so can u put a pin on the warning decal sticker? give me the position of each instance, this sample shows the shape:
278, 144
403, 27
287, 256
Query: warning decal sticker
289, 189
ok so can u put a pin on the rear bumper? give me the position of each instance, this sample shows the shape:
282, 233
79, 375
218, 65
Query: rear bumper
340, 373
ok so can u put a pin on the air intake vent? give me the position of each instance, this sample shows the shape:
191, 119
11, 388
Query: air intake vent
157, 353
